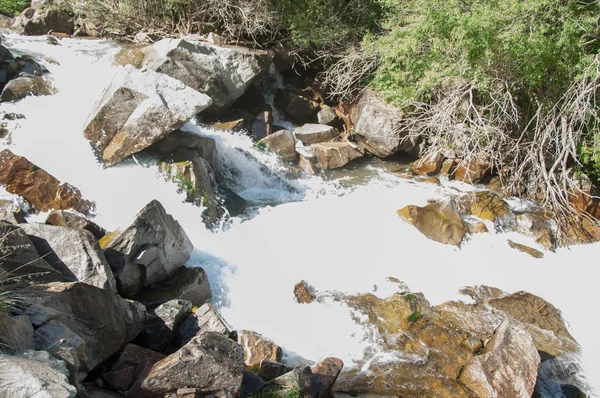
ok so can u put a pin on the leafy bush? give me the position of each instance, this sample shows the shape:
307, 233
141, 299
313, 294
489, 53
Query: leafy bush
13, 7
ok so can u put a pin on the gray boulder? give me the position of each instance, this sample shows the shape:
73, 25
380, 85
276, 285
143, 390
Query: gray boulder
73, 219
204, 319
179, 145
312, 133
326, 115
298, 108
378, 127
211, 362
223, 73
23, 86
138, 109
150, 250
162, 325
74, 252
104, 321
37, 374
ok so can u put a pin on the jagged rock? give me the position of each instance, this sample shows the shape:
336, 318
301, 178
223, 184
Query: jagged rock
325, 373
179, 144
38, 22
283, 144
251, 385
72, 219
526, 249
314, 133
186, 284
262, 126
471, 172
234, 203
223, 73
103, 320
299, 109
138, 109
36, 374
210, 362
204, 319
303, 292
23, 86
300, 380
448, 167
40, 189
541, 319
130, 369
10, 212
150, 250
333, 155
272, 370
257, 348
439, 221
74, 252
162, 325
378, 127
307, 164
326, 115
21, 259
427, 166
507, 366
16, 334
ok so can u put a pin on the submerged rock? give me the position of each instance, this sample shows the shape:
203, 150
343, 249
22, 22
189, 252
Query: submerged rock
138, 109
489, 206
223, 73
303, 292
151, 249
526, 249
40, 189
439, 221
23, 86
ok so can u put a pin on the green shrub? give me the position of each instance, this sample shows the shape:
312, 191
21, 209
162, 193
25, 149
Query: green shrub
13, 7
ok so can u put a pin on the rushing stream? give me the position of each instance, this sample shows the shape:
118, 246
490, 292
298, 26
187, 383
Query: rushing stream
337, 234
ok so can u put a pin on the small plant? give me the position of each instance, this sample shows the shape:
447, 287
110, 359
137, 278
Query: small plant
13, 8
414, 317
410, 297
261, 146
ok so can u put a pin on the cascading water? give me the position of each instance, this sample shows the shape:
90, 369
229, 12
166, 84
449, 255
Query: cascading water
338, 238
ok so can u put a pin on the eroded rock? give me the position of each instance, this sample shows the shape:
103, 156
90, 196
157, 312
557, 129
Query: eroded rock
439, 221
257, 348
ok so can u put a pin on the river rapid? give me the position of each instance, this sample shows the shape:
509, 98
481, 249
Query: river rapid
339, 234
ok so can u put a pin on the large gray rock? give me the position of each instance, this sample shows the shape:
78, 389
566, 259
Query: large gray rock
282, 143
40, 375
162, 325
73, 219
211, 362
25, 85
34, 22
21, 262
223, 73
179, 144
378, 127
74, 252
507, 367
151, 249
312, 133
138, 109
204, 319
103, 320
325, 373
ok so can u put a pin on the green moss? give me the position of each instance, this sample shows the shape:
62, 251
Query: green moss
414, 317
410, 297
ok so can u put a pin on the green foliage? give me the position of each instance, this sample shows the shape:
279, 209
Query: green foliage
534, 46
275, 391
414, 317
13, 7
589, 157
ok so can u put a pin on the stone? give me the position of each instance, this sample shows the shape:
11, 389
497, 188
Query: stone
130, 369
315, 133
210, 362
298, 380
257, 348
526, 249
471, 172
333, 155
233, 202
439, 221
448, 167
326, 115
43, 191
11, 212
325, 373
162, 325
6, 21
204, 319
73, 219
103, 320
138, 109
38, 22
539, 227
187, 283
307, 165
251, 385
262, 126
303, 292
479, 228
150, 250
507, 366
20, 259
16, 334
74, 252
298, 108
130, 54
40, 376
183, 145
489, 206
378, 127
428, 165
272, 370
233, 125
222, 73
540, 318
86, 28
23, 86
283, 144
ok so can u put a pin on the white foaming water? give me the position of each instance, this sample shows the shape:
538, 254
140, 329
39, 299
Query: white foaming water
336, 239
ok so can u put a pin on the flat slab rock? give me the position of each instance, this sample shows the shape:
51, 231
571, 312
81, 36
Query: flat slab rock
315, 133
138, 109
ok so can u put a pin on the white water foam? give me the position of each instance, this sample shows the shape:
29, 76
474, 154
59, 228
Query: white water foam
349, 240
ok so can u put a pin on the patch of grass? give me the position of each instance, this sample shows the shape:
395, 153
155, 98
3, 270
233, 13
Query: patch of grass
275, 391
12, 8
